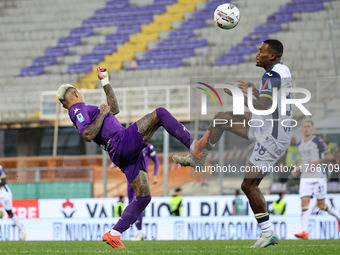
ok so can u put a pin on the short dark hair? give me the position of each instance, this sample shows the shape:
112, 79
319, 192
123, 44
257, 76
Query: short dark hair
121, 197
178, 189
276, 46
237, 192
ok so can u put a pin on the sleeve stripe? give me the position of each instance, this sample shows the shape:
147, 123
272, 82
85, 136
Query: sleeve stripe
265, 95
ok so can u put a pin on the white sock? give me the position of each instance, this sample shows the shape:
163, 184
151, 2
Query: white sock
17, 222
266, 226
210, 144
115, 232
140, 232
305, 218
332, 211
192, 147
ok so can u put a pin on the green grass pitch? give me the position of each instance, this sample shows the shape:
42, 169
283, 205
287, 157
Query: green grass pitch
171, 247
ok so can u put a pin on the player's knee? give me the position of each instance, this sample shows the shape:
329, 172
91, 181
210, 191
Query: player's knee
160, 111
245, 187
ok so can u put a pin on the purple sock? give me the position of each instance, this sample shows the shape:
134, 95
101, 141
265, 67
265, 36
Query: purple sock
174, 128
139, 221
131, 213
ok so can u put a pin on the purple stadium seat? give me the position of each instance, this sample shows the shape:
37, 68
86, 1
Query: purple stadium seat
92, 58
79, 68
31, 70
165, 54
164, 2
254, 39
180, 35
297, 7
115, 39
202, 15
280, 18
123, 30
186, 44
241, 50
129, 12
44, 61
229, 60
81, 32
117, 4
193, 24
104, 49
267, 29
147, 64
67, 42
57, 51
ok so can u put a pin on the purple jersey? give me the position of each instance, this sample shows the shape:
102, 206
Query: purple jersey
83, 116
149, 152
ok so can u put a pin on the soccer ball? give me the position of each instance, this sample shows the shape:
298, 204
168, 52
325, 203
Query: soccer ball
227, 16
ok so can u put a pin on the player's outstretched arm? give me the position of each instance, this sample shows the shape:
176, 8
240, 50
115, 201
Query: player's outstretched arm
110, 95
91, 131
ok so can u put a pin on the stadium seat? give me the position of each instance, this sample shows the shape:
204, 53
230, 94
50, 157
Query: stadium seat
79, 68
146, 64
229, 60
92, 58
116, 39
69, 41
57, 51
192, 24
81, 32
31, 70
267, 29
44, 61
180, 35
173, 54
280, 18
104, 49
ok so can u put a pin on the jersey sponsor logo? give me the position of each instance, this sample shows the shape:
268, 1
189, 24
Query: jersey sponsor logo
80, 118
269, 74
257, 159
267, 84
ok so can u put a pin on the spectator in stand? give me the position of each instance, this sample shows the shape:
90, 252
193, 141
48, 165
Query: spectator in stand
238, 204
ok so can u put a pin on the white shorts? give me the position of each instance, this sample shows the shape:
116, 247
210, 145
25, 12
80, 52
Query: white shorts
316, 186
266, 151
6, 197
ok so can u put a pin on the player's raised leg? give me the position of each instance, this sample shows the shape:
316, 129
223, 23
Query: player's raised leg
142, 189
149, 123
237, 124
250, 186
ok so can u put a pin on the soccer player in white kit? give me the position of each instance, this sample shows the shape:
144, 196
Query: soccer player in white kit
271, 137
314, 151
6, 201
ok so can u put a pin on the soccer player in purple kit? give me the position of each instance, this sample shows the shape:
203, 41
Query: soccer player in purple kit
148, 152
124, 146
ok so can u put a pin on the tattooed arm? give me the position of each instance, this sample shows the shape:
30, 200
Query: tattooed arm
110, 95
111, 99
91, 131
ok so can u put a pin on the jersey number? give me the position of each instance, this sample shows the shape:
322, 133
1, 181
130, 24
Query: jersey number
260, 149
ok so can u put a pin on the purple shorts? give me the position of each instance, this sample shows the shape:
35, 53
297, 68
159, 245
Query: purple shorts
126, 152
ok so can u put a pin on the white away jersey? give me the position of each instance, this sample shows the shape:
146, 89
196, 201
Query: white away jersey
312, 150
278, 76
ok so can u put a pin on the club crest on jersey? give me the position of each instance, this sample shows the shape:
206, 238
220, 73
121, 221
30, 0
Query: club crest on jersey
80, 118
